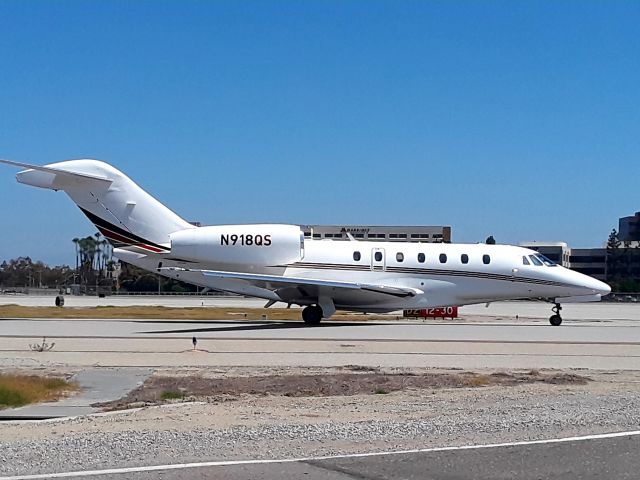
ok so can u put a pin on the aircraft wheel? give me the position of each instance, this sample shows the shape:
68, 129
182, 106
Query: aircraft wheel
555, 320
312, 315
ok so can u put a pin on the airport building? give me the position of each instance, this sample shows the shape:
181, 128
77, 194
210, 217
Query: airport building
629, 228
385, 233
590, 261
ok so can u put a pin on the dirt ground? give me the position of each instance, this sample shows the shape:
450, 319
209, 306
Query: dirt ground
160, 389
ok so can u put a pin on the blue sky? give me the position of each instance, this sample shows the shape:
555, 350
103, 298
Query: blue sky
517, 119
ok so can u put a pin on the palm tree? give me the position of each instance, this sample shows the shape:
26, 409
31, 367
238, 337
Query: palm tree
75, 242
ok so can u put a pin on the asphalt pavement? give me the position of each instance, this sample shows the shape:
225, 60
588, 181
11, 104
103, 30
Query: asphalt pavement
599, 458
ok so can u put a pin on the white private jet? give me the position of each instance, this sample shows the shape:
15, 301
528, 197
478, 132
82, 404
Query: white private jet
277, 263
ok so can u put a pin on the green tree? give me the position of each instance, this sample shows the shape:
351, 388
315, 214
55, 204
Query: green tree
613, 242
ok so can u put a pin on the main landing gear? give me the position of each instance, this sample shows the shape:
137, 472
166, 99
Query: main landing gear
556, 319
312, 315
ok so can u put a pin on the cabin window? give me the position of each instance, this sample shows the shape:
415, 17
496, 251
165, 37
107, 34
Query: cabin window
399, 257
443, 258
357, 256
464, 258
535, 260
525, 261
378, 256
486, 259
421, 258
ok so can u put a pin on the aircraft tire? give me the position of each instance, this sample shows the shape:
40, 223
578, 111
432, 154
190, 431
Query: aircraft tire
555, 320
312, 315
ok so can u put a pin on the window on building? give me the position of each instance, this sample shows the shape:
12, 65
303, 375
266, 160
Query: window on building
464, 258
317, 235
443, 258
535, 261
525, 261
358, 235
357, 256
399, 257
587, 259
421, 258
378, 256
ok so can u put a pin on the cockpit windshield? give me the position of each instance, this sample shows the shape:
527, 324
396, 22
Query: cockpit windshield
539, 260
536, 261
546, 261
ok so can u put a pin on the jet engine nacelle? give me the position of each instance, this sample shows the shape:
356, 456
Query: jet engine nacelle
258, 245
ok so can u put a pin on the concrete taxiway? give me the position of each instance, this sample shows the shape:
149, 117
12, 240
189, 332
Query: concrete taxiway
473, 343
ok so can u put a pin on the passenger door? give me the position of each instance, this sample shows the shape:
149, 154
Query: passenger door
378, 260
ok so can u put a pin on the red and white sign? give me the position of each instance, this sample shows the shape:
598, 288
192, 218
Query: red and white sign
436, 312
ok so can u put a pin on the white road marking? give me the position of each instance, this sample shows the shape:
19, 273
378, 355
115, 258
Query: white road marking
179, 466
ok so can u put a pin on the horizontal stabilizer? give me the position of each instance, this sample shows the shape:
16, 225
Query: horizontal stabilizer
50, 176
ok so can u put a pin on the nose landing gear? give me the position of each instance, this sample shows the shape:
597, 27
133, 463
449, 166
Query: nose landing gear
556, 319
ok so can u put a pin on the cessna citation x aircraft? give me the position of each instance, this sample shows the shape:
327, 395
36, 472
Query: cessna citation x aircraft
277, 263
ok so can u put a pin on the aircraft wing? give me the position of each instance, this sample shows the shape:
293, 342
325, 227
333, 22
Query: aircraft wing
276, 283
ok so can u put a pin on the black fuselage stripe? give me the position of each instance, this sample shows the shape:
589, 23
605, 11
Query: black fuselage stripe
135, 239
425, 271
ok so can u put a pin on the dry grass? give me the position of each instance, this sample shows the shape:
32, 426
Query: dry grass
153, 312
19, 390
479, 380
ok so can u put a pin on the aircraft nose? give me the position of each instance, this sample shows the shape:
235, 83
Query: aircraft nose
604, 289
596, 286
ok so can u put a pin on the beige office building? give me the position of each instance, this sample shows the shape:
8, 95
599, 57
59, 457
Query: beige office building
382, 233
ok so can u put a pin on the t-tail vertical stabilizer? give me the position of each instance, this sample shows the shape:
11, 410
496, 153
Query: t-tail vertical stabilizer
122, 211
